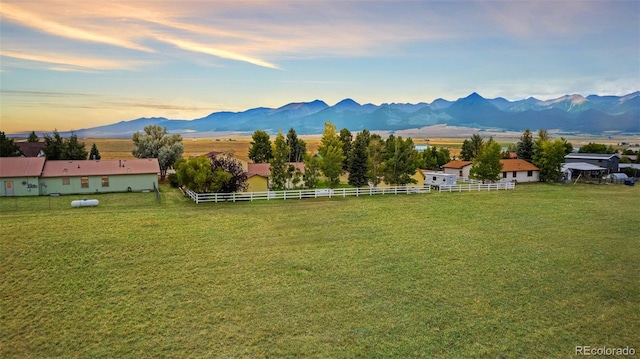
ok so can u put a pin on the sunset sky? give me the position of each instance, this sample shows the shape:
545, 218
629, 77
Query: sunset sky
69, 65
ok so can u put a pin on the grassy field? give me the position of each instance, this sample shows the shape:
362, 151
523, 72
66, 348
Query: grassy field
527, 273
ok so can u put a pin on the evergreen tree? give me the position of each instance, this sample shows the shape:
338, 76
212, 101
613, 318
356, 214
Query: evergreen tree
74, 149
487, 166
94, 154
466, 153
358, 162
53, 146
332, 157
477, 144
524, 148
32, 137
297, 145
260, 151
7, 147
346, 138
279, 167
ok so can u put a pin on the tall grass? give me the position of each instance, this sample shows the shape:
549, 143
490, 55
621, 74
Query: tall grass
527, 273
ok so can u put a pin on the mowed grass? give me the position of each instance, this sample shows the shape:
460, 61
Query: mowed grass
527, 273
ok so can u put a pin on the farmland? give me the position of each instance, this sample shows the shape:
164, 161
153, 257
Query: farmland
527, 273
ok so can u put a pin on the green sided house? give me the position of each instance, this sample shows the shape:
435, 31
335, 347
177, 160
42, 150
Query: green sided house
91, 176
19, 176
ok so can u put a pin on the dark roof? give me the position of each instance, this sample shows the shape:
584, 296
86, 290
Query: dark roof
21, 166
30, 149
591, 156
100, 167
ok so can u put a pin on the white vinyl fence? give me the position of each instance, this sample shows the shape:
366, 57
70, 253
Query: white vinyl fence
478, 187
304, 193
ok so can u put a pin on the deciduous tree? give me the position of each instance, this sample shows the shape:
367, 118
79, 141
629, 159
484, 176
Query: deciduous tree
601, 148
401, 161
260, 151
236, 178
332, 157
196, 174
487, 166
154, 143
279, 167
375, 159
311, 171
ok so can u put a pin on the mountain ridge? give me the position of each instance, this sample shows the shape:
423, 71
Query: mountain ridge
593, 114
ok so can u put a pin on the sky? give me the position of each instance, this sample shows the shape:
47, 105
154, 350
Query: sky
69, 65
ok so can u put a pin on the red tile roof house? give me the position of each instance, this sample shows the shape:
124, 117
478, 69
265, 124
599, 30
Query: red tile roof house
92, 176
31, 149
19, 176
516, 170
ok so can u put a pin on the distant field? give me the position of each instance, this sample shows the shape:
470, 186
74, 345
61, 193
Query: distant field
527, 273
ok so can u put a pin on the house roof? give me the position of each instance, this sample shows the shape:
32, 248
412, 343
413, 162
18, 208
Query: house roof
630, 165
30, 149
511, 165
457, 164
264, 169
581, 166
100, 167
21, 166
591, 156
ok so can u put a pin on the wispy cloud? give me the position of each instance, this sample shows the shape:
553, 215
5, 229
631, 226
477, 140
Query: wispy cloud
72, 62
42, 23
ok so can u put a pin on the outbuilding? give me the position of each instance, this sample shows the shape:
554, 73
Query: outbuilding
440, 179
610, 162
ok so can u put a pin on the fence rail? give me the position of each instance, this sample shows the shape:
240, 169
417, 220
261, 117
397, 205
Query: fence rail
478, 187
304, 193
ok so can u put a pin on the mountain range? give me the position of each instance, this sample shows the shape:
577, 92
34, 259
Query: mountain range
568, 114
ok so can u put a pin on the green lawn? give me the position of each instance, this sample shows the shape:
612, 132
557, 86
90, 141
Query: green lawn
527, 273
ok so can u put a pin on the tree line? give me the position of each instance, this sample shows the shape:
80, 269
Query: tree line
55, 147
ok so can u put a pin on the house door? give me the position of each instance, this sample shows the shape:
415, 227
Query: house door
8, 188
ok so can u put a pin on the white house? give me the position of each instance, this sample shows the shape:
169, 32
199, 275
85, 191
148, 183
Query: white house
516, 170
458, 168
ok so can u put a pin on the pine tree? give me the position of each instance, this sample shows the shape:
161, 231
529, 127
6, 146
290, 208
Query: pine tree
94, 154
260, 151
525, 146
32, 137
358, 162
74, 149
346, 138
297, 145
54, 146
7, 147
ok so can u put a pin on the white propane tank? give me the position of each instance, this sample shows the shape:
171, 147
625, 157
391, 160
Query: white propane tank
85, 203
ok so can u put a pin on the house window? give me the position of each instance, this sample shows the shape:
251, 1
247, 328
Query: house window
529, 173
460, 174
84, 182
434, 178
514, 174
504, 174
105, 181
66, 181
